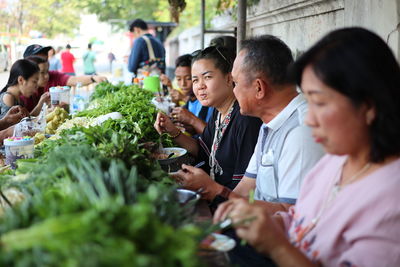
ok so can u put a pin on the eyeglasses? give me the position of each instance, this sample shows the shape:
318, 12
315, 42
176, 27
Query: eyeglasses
209, 50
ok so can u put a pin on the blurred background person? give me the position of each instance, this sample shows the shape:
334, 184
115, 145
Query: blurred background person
111, 59
88, 61
56, 78
67, 61
23, 80
144, 47
54, 61
39, 96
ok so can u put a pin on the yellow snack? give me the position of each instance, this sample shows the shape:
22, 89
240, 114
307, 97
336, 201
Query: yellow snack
56, 118
50, 116
39, 137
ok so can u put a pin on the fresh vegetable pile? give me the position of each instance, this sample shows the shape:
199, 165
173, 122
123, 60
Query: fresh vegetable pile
93, 197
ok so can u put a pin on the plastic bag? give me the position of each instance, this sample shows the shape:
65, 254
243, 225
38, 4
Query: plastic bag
29, 126
164, 104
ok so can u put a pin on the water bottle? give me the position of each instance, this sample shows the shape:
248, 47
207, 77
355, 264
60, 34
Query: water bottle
77, 98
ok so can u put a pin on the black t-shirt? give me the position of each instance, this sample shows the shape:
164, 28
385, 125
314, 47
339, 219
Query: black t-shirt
236, 147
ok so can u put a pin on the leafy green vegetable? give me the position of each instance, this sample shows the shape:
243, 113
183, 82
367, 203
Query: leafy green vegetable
94, 197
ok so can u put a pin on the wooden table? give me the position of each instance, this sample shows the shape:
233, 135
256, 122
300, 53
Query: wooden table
210, 258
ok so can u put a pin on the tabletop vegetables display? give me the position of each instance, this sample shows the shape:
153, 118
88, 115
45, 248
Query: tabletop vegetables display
92, 196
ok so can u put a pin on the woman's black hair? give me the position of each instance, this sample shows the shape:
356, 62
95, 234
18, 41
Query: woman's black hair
229, 42
183, 61
22, 67
221, 56
36, 59
359, 64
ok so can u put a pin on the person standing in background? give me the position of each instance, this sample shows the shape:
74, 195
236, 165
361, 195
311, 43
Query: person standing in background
111, 58
143, 48
54, 62
88, 61
67, 61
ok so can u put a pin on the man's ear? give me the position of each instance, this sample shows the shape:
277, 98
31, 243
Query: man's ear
261, 88
229, 78
370, 115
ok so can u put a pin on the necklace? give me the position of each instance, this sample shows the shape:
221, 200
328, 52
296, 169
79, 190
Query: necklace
339, 185
220, 127
336, 188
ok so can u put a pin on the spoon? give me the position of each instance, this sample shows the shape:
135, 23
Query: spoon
170, 155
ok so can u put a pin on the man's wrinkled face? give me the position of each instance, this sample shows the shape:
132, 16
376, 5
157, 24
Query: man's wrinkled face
244, 91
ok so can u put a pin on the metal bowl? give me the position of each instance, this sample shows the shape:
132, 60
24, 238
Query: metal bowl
185, 196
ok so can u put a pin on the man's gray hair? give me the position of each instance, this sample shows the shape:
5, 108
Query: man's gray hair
269, 56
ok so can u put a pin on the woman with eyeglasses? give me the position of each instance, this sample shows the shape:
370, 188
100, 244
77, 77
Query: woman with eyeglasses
227, 143
348, 212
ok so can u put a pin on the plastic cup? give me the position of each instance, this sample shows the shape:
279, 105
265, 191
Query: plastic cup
152, 83
18, 148
60, 96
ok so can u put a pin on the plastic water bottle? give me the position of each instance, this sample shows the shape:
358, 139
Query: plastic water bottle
77, 99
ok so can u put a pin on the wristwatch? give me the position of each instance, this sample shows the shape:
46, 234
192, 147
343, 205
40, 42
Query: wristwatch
225, 192
221, 197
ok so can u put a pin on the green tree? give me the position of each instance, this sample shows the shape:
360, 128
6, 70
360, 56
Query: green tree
53, 17
50, 17
121, 11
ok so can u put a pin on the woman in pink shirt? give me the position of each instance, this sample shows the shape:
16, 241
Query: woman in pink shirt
348, 211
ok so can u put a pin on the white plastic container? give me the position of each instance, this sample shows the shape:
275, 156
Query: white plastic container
18, 148
60, 96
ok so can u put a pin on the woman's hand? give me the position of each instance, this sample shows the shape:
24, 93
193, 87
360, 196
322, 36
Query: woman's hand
15, 114
195, 178
164, 124
45, 98
182, 115
176, 96
253, 224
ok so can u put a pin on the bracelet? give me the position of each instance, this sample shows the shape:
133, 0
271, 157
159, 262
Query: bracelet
92, 79
175, 135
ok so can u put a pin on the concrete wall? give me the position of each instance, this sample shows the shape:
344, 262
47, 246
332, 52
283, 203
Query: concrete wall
300, 23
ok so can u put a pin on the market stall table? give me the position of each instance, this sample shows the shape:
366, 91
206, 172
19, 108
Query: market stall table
210, 258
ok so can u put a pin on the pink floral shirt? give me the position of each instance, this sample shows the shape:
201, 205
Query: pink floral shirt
359, 227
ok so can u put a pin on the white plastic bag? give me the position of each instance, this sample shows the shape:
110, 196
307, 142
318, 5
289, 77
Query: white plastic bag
29, 126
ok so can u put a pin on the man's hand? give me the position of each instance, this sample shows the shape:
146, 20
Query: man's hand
99, 79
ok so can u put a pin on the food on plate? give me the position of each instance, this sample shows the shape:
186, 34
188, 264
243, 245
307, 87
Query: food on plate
217, 242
